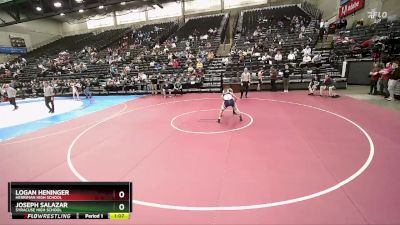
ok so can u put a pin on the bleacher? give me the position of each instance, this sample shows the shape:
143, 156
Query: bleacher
196, 27
139, 43
270, 34
150, 45
356, 35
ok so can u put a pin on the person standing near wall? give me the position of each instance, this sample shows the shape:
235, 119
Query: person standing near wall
384, 80
273, 73
286, 74
394, 77
48, 92
154, 81
374, 79
260, 75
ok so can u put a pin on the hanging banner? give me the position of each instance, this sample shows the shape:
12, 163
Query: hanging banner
351, 7
12, 50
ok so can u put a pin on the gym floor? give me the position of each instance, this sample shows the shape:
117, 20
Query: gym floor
294, 159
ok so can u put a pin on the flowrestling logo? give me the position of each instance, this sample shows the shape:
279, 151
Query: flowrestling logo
373, 14
351, 7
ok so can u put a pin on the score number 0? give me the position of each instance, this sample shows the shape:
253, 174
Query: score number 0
121, 195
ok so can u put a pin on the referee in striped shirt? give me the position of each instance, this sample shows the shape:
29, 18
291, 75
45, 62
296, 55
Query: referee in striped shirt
245, 82
48, 96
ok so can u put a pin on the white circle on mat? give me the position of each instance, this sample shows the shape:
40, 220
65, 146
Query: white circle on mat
235, 207
208, 132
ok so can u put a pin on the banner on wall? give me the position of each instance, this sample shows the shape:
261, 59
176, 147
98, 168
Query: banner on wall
350, 7
12, 50
17, 41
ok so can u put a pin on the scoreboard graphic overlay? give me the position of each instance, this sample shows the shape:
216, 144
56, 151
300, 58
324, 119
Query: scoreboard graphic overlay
70, 200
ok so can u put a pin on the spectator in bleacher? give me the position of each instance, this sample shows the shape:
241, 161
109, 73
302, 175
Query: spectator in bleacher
301, 35
152, 63
306, 60
245, 80
199, 64
249, 51
265, 57
255, 33
204, 37
317, 58
113, 70
394, 77
142, 77
82, 67
306, 51
296, 52
190, 68
200, 73
225, 61
22, 61
170, 56
291, 56
278, 57
374, 74
273, 74
360, 23
164, 66
175, 64
321, 24
157, 65
260, 46
285, 78
210, 56
302, 29
125, 71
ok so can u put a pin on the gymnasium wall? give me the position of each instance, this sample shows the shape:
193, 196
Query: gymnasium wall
34, 32
331, 9
192, 8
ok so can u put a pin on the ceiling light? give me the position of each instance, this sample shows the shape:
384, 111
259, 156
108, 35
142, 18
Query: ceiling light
38, 9
101, 6
62, 14
57, 4
81, 11
123, 3
78, 1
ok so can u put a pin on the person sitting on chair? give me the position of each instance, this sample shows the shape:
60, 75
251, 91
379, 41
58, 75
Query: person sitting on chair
327, 83
166, 88
313, 85
178, 87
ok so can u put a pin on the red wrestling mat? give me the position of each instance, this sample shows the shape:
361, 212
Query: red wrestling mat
294, 159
